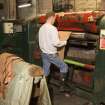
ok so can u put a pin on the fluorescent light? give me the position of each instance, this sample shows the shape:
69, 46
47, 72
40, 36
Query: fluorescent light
24, 5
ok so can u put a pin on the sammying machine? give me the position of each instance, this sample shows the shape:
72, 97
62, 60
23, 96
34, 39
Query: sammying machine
83, 53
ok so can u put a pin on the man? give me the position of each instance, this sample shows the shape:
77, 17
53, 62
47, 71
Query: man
49, 42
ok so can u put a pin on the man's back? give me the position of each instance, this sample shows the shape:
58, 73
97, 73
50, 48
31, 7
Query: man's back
47, 35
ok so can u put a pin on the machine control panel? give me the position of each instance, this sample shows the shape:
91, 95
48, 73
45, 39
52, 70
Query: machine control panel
8, 27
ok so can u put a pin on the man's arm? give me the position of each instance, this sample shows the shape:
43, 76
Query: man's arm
60, 43
56, 41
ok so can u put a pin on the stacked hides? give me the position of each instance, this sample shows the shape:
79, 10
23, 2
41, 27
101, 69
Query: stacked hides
17, 78
83, 55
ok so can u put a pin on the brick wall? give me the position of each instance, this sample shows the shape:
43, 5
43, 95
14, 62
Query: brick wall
38, 7
78, 5
102, 4
84, 5
44, 6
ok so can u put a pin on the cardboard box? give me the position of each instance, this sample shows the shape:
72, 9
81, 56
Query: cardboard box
63, 35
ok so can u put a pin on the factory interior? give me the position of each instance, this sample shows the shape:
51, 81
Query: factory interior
78, 23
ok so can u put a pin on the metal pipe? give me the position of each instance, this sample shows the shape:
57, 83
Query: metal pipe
76, 63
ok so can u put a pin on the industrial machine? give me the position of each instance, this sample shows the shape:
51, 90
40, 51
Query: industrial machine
21, 39
83, 53
75, 21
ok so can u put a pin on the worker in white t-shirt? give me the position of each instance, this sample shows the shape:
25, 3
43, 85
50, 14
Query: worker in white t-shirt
49, 42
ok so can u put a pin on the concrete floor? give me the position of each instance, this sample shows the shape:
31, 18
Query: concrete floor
72, 99
59, 98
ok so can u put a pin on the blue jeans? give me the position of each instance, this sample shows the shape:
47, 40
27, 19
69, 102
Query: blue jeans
54, 59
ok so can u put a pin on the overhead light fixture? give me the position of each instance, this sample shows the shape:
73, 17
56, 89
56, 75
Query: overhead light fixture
24, 5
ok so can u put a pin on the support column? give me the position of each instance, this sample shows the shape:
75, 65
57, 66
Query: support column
10, 9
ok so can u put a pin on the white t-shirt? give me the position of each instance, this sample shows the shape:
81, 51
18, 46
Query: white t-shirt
49, 39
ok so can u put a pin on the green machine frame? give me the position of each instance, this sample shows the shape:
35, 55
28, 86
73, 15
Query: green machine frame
24, 42
96, 92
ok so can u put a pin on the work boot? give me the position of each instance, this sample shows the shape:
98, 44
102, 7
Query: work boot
63, 88
63, 76
63, 80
